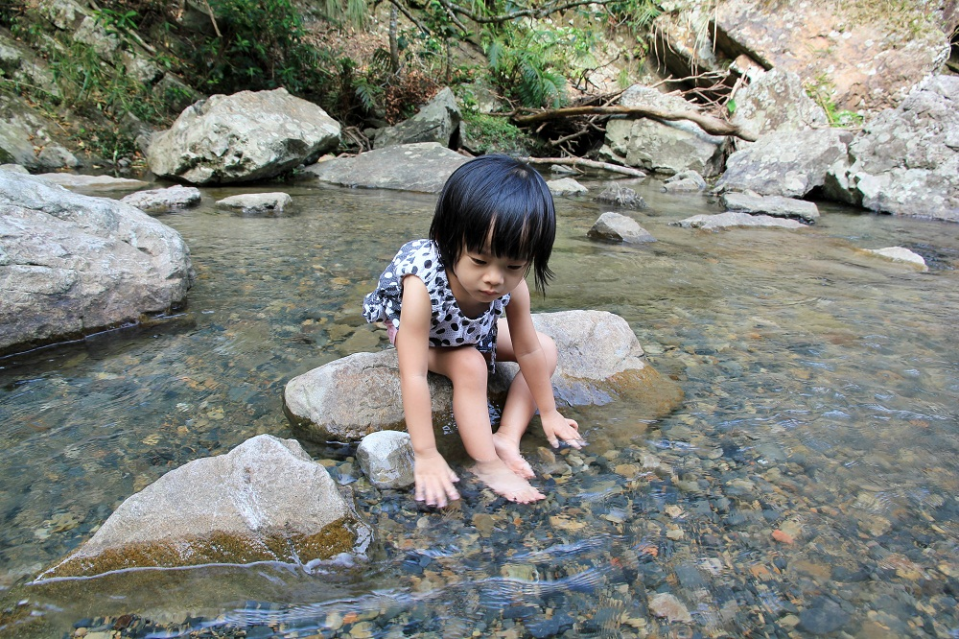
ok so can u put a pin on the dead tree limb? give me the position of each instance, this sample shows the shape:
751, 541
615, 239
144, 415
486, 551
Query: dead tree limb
593, 164
708, 124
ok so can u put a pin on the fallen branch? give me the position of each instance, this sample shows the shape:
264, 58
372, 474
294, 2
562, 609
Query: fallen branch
593, 164
708, 124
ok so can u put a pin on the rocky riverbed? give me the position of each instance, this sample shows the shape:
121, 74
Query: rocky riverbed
805, 487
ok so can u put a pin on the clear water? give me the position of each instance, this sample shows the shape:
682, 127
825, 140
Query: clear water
822, 393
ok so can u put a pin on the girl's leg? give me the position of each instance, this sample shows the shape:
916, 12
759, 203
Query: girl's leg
520, 406
466, 368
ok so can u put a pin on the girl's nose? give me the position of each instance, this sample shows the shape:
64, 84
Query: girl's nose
494, 277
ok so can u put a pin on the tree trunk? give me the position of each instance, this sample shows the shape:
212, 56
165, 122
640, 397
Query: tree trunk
394, 47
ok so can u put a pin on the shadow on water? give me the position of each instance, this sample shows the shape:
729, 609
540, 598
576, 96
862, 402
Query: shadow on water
806, 486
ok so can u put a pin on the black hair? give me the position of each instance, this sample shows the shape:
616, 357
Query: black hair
498, 205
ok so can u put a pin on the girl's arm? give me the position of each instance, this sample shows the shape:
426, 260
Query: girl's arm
434, 478
532, 362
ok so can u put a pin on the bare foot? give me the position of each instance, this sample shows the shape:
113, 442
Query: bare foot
504, 482
508, 451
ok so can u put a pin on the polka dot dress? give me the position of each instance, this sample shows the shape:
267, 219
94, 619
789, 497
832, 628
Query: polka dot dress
450, 327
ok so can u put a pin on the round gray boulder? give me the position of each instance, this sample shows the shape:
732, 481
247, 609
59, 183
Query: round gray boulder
251, 135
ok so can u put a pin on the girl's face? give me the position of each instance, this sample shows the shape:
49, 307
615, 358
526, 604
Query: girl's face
479, 278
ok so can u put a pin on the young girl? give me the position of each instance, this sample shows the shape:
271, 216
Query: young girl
442, 300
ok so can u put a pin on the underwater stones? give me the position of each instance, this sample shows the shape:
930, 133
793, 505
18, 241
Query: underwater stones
663, 604
265, 500
600, 361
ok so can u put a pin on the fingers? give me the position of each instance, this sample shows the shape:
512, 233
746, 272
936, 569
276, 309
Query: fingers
570, 436
436, 491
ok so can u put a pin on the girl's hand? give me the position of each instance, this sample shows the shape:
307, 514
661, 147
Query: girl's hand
557, 428
434, 479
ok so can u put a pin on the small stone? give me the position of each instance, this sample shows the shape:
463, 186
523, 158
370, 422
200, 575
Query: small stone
822, 617
668, 606
900, 254
783, 537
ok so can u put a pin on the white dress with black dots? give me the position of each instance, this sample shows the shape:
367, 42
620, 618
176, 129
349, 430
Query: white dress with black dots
450, 327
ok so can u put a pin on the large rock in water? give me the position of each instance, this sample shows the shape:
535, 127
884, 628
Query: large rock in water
265, 500
600, 361
250, 135
663, 147
786, 163
422, 167
438, 121
906, 161
71, 265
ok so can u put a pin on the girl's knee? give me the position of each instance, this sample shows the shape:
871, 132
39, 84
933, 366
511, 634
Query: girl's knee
468, 366
550, 350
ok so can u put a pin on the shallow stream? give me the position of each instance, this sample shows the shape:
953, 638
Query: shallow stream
807, 485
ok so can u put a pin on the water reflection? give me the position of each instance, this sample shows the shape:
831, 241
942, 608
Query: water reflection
821, 391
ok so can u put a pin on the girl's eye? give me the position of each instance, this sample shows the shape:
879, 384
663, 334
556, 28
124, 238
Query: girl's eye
478, 261
516, 267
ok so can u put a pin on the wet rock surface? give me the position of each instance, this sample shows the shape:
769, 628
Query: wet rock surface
266, 500
74, 265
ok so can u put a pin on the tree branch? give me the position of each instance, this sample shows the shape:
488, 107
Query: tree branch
541, 12
593, 164
708, 124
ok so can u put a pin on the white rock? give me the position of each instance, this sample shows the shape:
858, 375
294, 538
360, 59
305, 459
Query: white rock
900, 254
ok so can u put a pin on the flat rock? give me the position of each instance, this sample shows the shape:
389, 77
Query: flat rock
91, 182
257, 203
422, 167
265, 500
900, 254
774, 205
735, 220
165, 200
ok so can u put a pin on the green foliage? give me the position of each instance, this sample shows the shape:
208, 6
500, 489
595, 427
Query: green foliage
822, 91
530, 65
489, 133
636, 15
261, 46
119, 23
